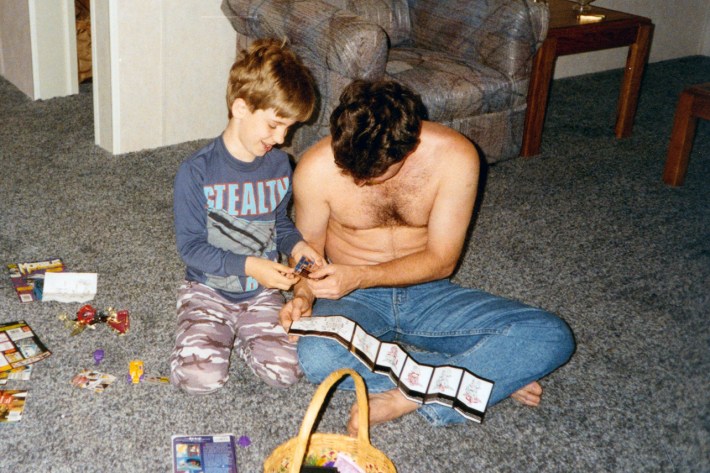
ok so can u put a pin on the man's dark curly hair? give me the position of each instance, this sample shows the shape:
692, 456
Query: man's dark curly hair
376, 125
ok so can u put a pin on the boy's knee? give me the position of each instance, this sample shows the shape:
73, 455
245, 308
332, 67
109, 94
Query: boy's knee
196, 380
282, 378
275, 363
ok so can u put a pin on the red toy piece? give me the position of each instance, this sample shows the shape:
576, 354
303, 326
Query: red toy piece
119, 321
86, 315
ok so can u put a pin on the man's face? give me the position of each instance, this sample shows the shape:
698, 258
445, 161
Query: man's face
259, 131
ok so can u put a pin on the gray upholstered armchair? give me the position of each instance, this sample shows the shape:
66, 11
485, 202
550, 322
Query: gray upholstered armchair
470, 60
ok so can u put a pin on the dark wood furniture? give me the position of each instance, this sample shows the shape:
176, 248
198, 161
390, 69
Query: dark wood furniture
694, 103
567, 35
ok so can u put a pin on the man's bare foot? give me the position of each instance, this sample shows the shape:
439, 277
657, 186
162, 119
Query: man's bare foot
529, 395
383, 407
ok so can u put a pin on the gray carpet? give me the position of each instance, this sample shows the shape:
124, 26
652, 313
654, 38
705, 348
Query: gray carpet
587, 230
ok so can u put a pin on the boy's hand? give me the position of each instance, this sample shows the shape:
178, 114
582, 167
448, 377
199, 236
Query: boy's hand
301, 249
269, 273
293, 310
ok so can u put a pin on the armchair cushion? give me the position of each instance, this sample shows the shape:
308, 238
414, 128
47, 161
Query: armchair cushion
322, 34
463, 89
391, 15
499, 34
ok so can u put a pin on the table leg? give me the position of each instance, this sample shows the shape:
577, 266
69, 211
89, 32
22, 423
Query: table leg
628, 97
538, 90
681, 141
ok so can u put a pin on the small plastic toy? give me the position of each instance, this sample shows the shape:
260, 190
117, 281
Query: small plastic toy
88, 316
304, 266
135, 371
155, 379
38, 288
98, 356
244, 441
118, 321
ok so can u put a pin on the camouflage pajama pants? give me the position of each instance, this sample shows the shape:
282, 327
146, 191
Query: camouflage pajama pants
210, 326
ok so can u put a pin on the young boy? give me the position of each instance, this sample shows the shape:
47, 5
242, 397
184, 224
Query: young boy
231, 221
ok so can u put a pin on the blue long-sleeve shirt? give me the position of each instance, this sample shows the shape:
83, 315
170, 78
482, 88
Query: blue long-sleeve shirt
226, 210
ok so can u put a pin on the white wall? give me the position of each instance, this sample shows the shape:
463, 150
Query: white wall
38, 41
162, 69
16, 45
682, 28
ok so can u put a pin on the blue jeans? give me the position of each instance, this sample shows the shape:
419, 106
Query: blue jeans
441, 323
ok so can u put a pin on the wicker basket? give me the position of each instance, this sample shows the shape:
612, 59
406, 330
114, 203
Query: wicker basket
321, 448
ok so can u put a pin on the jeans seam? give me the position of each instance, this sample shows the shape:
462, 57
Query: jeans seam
466, 333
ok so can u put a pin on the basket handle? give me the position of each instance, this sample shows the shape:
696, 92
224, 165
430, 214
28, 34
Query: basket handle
363, 434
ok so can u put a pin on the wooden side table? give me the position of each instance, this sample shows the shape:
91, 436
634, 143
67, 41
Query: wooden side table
566, 35
694, 103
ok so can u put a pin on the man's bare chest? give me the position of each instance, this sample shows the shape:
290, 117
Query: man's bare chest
385, 206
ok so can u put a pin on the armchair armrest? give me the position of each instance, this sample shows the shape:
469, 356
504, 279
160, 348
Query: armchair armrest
501, 34
319, 32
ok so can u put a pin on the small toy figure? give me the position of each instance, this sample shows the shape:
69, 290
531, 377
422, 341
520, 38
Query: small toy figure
244, 441
88, 316
38, 288
98, 356
118, 321
304, 266
135, 371
155, 379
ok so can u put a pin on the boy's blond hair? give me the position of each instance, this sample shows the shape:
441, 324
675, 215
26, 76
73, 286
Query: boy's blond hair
269, 75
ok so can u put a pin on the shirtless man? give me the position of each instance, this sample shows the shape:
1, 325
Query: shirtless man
388, 198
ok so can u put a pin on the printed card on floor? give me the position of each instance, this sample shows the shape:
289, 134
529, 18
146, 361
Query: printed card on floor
93, 380
23, 373
204, 453
12, 404
69, 287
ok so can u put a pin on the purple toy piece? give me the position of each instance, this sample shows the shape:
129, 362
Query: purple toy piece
98, 356
244, 441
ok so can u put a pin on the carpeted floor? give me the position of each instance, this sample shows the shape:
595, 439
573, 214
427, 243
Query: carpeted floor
587, 230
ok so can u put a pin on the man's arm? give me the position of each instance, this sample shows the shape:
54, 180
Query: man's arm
448, 222
312, 213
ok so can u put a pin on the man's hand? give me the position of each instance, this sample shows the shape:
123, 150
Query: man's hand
334, 281
292, 311
304, 249
269, 273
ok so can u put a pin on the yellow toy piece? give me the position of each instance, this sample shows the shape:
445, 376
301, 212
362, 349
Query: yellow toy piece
135, 371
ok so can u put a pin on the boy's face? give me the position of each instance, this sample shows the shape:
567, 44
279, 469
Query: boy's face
258, 131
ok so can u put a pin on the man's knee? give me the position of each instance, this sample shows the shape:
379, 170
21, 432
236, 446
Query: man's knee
563, 340
315, 356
